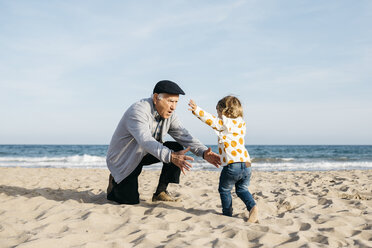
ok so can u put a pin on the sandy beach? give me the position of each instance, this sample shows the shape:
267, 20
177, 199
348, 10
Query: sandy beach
68, 208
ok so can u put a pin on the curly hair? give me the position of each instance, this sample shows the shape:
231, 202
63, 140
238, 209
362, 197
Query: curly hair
230, 107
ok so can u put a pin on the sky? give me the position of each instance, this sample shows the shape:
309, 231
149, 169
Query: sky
302, 69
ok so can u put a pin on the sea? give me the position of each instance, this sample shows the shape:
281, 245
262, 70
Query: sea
264, 157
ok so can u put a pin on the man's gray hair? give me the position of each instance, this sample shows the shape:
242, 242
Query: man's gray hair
160, 96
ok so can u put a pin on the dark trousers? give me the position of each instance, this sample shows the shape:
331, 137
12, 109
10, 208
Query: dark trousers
126, 192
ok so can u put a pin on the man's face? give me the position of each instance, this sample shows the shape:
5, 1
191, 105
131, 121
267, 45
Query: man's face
166, 105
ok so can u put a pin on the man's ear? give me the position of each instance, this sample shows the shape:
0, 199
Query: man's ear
155, 98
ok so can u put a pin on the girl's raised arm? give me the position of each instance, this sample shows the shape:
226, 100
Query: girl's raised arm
211, 120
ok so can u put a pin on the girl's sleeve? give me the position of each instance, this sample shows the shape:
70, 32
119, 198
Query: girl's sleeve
211, 120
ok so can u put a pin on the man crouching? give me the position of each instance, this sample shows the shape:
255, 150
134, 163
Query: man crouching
138, 141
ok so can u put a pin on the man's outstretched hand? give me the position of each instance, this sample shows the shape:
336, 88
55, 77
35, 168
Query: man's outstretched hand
212, 157
180, 160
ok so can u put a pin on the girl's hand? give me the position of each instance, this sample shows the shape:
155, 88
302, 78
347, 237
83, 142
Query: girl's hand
192, 105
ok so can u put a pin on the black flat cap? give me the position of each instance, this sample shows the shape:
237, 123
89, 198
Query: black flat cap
166, 86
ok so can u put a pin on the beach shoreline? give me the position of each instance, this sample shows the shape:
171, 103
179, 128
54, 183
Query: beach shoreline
45, 207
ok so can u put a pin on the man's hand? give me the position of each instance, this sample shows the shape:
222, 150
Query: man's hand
180, 160
212, 157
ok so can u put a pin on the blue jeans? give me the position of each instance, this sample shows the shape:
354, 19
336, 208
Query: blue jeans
239, 175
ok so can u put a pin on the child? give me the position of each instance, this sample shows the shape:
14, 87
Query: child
230, 129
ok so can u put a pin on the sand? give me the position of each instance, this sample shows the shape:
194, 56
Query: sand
68, 208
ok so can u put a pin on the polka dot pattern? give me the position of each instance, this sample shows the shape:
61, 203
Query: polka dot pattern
230, 136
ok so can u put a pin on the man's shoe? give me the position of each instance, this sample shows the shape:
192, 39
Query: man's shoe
164, 196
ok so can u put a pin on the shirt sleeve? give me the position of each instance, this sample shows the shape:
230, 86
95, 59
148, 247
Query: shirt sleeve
138, 126
211, 120
182, 136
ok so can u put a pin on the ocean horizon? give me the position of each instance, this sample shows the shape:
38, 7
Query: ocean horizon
264, 157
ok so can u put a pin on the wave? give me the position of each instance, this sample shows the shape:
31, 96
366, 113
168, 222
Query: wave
83, 161
307, 166
261, 164
313, 166
271, 160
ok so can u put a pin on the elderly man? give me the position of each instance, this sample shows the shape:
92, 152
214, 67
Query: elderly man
138, 141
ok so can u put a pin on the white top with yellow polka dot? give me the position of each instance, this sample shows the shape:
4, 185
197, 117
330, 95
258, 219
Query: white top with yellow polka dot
230, 134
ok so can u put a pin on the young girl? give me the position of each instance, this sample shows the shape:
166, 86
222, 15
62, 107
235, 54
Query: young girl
230, 129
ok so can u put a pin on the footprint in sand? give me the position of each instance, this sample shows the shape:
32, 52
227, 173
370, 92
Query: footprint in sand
344, 188
294, 238
330, 229
367, 227
305, 226
258, 195
64, 229
320, 239
284, 222
259, 228
319, 219
187, 218
366, 235
324, 201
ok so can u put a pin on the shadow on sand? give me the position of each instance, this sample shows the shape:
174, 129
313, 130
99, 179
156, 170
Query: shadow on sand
87, 196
